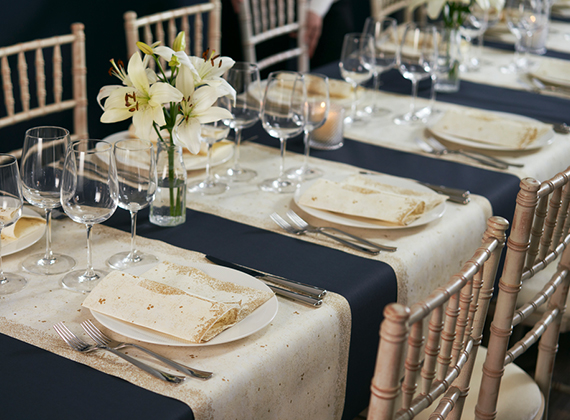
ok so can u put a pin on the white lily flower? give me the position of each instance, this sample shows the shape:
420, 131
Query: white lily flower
139, 100
195, 108
209, 71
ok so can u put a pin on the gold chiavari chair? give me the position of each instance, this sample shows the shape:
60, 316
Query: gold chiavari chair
30, 58
152, 27
264, 20
443, 363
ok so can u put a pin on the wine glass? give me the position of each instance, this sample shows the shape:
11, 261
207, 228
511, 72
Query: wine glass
318, 105
416, 58
89, 195
136, 180
384, 32
525, 19
211, 133
10, 210
43, 155
244, 78
473, 26
356, 65
283, 116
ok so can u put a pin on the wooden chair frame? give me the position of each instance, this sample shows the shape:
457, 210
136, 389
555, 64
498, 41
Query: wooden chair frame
457, 313
383, 8
152, 27
262, 20
78, 73
538, 237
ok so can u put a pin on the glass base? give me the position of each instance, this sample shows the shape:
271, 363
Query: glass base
12, 283
377, 112
208, 187
79, 281
124, 260
303, 173
279, 186
236, 175
358, 117
409, 118
38, 264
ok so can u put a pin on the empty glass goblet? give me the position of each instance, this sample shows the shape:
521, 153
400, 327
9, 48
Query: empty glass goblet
89, 195
136, 180
43, 156
10, 211
283, 116
211, 133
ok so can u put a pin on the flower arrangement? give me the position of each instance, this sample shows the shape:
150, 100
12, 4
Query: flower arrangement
454, 12
169, 106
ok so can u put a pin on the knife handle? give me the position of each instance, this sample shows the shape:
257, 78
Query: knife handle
308, 300
301, 287
447, 190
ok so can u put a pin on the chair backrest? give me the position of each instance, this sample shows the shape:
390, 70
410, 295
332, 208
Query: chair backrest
383, 8
264, 20
48, 99
539, 235
153, 29
456, 313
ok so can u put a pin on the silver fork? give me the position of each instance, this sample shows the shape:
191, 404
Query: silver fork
79, 345
299, 221
285, 225
100, 338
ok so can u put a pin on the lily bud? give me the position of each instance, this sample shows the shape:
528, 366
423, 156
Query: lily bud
145, 48
179, 42
174, 62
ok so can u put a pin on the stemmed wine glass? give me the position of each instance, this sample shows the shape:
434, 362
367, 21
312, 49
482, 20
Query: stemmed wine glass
89, 195
43, 156
525, 19
10, 210
136, 180
283, 116
384, 32
473, 26
318, 104
356, 65
211, 133
244, 78
416, 59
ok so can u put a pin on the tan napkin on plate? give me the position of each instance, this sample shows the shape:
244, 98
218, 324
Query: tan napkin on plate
23, 227
490, 128
553, 71
197, 310
364, 197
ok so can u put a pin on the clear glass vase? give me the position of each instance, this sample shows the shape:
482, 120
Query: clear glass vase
449, 59
169, 205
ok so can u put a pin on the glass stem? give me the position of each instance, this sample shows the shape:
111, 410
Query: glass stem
414, 96
307, 150
237, 132
282, 164
3, 278
89, 272
377, 80
49, 254
133, 254
208, 179
354, 99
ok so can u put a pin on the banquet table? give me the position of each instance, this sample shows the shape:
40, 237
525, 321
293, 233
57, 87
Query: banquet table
308, 363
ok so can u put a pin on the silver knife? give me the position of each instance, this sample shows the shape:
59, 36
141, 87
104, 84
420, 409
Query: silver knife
298, 287
309, 300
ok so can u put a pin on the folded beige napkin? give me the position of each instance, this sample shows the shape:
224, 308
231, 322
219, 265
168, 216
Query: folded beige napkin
23, 227
361, 196
553, 71
181, 301
490, 128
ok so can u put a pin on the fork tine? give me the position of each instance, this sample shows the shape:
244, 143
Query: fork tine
297, 219
71, 339
94, 333
282, 223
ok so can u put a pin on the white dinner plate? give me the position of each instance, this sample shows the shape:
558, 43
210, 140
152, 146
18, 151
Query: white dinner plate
24, 242
257, 320
537, 144
361, 222
221, 153
544, 73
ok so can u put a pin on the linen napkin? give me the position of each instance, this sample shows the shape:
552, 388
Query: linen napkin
490, 128
361, 196
177, 300
555, 72
23, 227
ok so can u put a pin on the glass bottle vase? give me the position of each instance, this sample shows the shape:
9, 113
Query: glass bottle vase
169, 205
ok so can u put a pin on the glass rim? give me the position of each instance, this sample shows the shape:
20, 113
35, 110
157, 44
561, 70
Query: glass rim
144, 144
65, 131
11, 159
108, 146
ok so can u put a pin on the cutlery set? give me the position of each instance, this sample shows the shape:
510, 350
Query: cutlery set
102, 342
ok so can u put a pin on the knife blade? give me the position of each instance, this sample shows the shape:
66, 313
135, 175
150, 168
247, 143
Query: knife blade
305, 289
309, 300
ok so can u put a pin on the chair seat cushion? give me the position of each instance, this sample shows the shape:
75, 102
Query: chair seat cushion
519, 396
